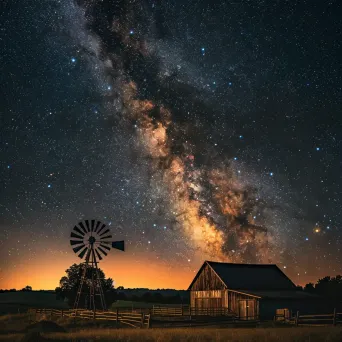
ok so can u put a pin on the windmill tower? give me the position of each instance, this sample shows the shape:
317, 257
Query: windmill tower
91, 241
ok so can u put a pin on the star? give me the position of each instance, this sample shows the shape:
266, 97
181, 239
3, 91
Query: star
49, 186
73, 60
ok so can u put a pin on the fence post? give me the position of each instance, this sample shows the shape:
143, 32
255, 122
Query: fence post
334, 317
62, 313
142, 320
182, 310
297, 318
117, 317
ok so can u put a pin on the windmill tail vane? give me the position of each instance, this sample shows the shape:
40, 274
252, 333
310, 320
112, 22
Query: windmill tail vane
91, 240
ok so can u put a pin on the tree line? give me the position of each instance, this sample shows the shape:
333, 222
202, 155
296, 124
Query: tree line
330, 287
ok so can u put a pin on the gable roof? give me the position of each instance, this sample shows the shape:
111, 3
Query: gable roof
260, 277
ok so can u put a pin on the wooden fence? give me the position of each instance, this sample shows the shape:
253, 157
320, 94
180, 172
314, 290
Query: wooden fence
186, 310
311, 320
136, 320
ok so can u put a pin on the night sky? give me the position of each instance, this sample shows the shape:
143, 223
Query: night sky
196, 130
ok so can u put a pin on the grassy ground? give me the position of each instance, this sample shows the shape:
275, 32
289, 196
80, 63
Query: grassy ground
11, 302
11, 327
129, 305
195, 335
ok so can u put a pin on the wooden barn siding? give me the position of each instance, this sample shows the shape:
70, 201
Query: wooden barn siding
207, 280
233, 300
223, 294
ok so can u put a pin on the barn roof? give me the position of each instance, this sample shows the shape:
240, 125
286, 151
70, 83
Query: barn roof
258, 277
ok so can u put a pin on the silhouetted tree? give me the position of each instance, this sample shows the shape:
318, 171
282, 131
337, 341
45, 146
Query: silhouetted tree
69, 285
27, 288
309, 288
330, 287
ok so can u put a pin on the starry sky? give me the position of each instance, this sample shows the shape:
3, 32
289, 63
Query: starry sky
196, 130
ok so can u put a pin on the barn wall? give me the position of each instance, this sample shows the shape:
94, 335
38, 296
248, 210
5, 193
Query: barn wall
207, 280
221, 295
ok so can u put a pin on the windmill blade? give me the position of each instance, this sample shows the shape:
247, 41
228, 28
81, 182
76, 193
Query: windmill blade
88, 226
105, 232
78, 230
101, 228
76, 249
92, 225
106, 237
73, 242
81, 255
120, 245
76, 236
82, 226
103, 252
97, 226
98, 254
105, 247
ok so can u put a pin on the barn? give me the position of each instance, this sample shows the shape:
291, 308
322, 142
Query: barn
245, 290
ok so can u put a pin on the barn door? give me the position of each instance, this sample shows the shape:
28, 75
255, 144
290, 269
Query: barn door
247, 309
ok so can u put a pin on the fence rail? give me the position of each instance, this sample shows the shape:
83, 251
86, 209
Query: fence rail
334, 318
186, 310
137, 320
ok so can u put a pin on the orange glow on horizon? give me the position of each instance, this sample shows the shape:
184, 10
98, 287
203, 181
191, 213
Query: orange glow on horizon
125, 271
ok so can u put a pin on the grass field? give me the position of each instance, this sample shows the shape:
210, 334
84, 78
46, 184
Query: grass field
11, 327
11, 302
129, 304
193, 335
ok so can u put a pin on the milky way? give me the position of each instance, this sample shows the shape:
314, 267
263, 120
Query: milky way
200, 192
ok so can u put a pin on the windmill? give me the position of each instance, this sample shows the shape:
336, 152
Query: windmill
91, 241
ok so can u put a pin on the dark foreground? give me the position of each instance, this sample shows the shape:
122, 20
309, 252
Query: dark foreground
16, 328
